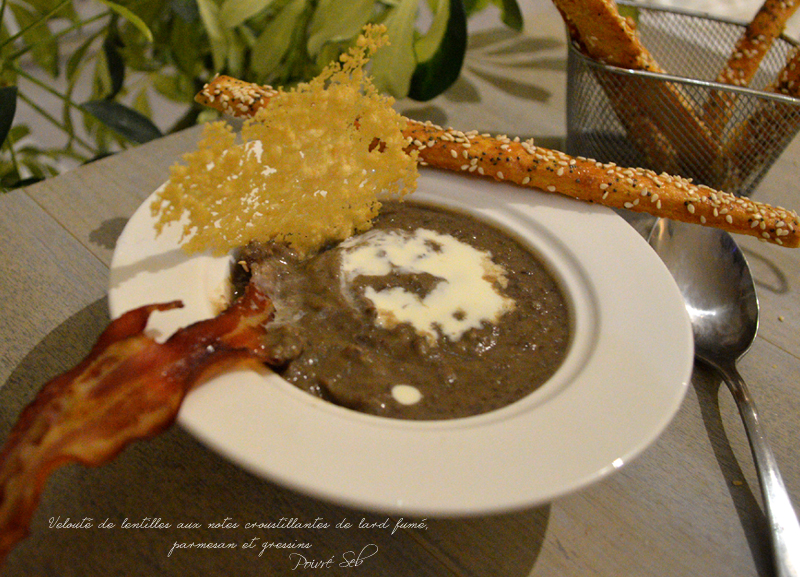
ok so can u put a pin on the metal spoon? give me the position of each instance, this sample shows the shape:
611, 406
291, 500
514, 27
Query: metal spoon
720, 297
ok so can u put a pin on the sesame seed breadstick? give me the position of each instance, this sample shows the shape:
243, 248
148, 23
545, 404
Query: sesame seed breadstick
756, 40
788, 81
618, 187
599, 31
770, 126
524, 164
234, 97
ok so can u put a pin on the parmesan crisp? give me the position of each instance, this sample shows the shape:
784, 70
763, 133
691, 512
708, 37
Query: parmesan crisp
311, 167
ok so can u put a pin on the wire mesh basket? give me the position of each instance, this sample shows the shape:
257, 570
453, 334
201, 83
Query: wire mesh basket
666, 122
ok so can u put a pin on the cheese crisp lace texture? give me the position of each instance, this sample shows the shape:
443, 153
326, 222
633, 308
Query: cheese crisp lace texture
311, 169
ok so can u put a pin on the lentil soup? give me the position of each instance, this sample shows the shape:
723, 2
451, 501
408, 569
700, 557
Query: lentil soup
432, 314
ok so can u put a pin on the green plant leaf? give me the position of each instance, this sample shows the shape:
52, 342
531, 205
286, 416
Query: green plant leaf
38, 36
130, 17
209, 14
184, 44
631, 12
76, 59
115, 63
8, 108
153, 13
141, 103
337, 21
101, 81
168, 86
510, 14
19, 132
236, 54
123, 120
435, 75
45, 6
186, 10
76, 64
427, 44
235, 12
474, 6
393, 65
276, 38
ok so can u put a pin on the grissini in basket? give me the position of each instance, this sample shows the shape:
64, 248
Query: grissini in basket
600, 32
743, 63
770, 125
522, 163
788, 81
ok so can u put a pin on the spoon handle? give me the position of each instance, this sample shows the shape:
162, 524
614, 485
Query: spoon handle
785, 529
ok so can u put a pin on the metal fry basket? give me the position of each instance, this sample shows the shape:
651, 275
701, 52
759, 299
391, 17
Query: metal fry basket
651, 120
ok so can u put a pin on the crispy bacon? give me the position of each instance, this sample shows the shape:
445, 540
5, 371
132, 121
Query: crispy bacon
128, 388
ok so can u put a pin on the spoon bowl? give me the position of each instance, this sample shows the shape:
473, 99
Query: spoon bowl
720, 296
716, 285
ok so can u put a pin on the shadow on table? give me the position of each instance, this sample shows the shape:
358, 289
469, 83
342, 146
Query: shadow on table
108, 232
708, 387
123, 518
767, 275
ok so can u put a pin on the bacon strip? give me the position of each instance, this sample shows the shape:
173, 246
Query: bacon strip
128, 388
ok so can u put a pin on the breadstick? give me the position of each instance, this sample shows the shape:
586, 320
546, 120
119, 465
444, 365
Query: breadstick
771, 126
756, 40
524, 164
603, 34
788, 81
634, 189
600, 32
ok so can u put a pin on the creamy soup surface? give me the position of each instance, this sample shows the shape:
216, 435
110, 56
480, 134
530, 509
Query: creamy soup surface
431, 314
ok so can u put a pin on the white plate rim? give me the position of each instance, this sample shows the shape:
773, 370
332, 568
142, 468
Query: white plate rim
624, 379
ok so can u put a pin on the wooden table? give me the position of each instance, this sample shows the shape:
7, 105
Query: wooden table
689, 505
